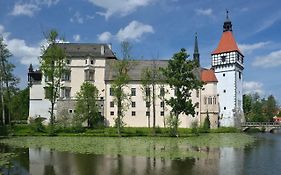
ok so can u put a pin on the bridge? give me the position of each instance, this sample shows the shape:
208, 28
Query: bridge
266, 126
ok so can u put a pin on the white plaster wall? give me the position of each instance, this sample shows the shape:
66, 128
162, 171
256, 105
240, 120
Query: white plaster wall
227, 99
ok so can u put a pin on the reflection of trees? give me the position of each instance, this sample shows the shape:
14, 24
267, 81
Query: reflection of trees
49, 170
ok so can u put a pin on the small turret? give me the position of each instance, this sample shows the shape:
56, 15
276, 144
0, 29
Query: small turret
196, 55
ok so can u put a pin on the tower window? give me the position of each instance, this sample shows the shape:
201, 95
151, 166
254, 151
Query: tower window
162, 113
133, 113
210, 100
133, 91
224, 108
224, 91
162, 104
112, 104
133, 104
223, 75
111, 91
111, 112
147, 104
240, 75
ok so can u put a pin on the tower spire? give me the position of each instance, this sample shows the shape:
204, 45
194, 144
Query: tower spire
227, 26
196, 55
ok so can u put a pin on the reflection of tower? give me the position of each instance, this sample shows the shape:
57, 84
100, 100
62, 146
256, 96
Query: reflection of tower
227, 61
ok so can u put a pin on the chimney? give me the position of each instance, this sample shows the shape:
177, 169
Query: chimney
102, 49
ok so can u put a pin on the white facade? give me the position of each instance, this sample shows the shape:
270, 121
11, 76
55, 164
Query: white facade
96, 69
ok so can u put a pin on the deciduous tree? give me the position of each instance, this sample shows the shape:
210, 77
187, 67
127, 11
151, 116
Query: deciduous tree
53, 62
179, 74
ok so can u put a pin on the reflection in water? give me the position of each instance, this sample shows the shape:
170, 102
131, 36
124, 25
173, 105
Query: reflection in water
261, 158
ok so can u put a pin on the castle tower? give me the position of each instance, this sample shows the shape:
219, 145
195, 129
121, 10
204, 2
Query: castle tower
227, 61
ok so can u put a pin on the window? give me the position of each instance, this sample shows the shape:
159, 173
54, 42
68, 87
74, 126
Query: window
223, 75
223, 58
162, 113
86, 61
133, 113
133, 91
92, 61
214, 100
147, 113
162, 104
197, 93
205, 100
240, 75
197, 113
224, 91
224, 108
111, 92
66, 76
70, 111
89, 75
112, 104
67, 92
147, 104
210, 100
111, 112
147, 92
68, 61
133, 104
162, 91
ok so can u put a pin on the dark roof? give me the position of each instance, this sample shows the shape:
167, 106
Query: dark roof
137, 66
85, 49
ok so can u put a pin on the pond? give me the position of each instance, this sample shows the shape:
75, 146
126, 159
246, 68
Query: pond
220, 155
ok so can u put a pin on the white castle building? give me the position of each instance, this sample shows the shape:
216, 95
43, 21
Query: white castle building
220, 96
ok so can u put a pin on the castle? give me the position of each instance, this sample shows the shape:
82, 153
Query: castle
220, 97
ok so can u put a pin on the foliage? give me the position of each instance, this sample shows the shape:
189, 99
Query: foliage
8, 82
207, 123
170, 148
20, 105
37, 124
179, 74
3, 130
87, 108
258, 109
121, 79
172, 123
194, 128
149, 79
53, 67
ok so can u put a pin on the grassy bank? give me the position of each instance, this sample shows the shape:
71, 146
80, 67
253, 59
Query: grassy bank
164, 147
31, 130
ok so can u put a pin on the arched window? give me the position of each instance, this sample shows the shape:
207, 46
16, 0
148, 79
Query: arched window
214, 100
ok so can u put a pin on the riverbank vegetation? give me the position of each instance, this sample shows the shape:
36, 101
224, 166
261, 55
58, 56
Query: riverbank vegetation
160, 147
259, 109
37, 129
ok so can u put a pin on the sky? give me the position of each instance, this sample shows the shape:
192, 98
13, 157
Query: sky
155, 28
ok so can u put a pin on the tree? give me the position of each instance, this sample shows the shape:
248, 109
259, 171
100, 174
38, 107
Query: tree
20, 105
271, 108
179, 74
53, 67
149, 79
121, 79
87, 105
207, 123
8, 81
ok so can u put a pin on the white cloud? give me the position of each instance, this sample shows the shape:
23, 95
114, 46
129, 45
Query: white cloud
134, 31
25, 9
104, 37
28, 9
20, 50
269, 21
273, 59
77, 18
76, 37
206, 12
250, 87
26, 54
248, 48
121, 7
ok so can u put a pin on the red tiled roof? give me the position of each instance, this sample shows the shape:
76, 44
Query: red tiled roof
208, 75
226, 44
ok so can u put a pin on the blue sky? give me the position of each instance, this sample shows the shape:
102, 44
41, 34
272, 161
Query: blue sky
156, 28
